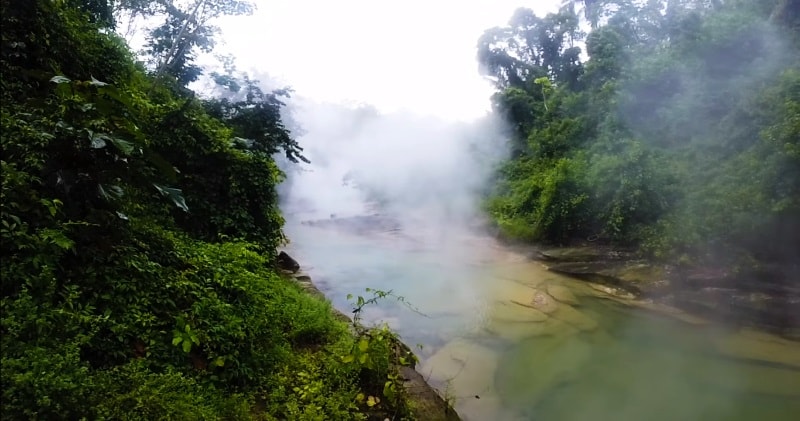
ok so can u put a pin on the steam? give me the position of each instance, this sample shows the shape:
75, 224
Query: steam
424, 172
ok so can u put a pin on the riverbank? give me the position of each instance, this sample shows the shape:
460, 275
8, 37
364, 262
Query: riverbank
424, 402
763, 298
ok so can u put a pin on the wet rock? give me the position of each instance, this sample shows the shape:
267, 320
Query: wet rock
511, 312
521, 274
580, 254
606, 291
287, 263
562, 293
462, 368
667, 310
765, 296
426, 403
633, 276
774, 313
516, 331
749, 344
541, 301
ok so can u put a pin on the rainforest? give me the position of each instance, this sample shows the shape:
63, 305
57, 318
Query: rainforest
617, 238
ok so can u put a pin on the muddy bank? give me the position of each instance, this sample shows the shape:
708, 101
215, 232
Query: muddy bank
425, 402
767, 298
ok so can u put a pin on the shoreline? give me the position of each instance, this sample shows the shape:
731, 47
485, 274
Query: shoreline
424, 400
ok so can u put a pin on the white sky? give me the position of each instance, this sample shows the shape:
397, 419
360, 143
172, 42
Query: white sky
415, 55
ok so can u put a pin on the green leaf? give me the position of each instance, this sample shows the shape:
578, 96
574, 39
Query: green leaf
176, 340
110, 192
187, 346
58, 238
348, 359
176, 195
363, 345
123, 145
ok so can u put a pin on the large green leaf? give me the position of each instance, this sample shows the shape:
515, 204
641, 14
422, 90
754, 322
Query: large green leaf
123, 145
175, 195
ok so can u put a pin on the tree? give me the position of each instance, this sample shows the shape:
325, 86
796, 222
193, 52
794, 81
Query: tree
187, 29
531, 47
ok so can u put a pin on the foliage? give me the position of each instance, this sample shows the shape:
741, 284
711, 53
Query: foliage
375, 352
676, 135
138, 239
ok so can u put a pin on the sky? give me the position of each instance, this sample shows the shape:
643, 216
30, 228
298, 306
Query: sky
411, 55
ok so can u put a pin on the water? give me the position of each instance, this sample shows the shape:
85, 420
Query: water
494, 341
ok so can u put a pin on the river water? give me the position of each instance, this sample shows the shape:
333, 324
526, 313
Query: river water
507, 340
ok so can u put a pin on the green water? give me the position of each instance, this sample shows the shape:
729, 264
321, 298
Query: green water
637, 367
593, 359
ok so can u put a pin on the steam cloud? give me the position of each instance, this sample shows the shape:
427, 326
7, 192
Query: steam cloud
421, 171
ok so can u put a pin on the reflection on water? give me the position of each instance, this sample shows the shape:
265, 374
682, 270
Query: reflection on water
509, 340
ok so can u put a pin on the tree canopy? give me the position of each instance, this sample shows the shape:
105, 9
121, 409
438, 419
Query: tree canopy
668, 125
140, 227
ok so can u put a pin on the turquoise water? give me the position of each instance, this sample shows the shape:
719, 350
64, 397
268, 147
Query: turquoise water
595, 358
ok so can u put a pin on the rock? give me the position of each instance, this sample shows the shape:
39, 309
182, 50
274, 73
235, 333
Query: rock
542, 302
605, 291
512, 312
667, 311
580, 254
286, 262
773, 313
462, 368
426, 404
752, 345
562, 293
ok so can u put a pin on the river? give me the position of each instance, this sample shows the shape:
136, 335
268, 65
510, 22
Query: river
493, 338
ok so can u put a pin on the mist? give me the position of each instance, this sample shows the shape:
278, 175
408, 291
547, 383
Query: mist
423, 173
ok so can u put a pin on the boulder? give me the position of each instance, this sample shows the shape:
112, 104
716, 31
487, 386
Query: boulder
287, 263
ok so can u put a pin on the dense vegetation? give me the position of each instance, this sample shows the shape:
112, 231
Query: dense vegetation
139, 230
677, 130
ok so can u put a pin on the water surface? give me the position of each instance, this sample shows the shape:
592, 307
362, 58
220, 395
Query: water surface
495, 340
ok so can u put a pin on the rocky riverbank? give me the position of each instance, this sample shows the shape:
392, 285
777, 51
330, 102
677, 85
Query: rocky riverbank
425, 402
767, 299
